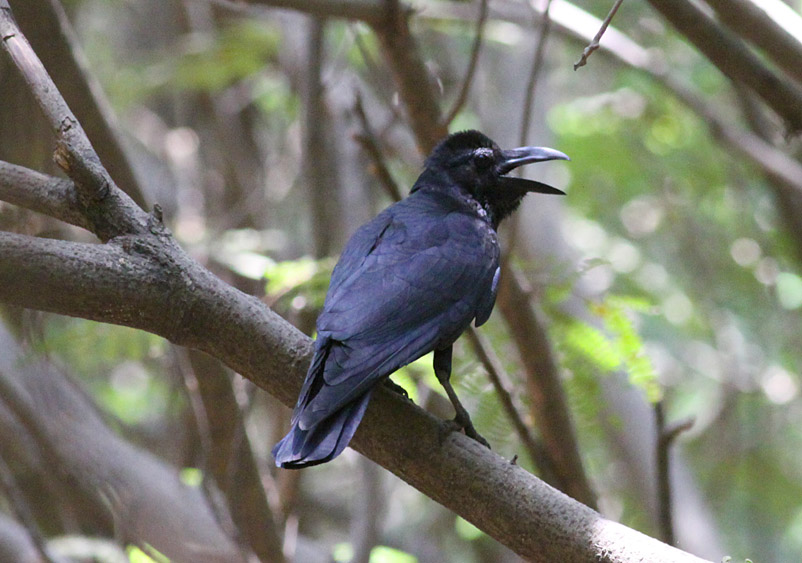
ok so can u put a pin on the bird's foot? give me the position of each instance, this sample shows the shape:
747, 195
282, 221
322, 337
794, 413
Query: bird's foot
395, 388
464, 424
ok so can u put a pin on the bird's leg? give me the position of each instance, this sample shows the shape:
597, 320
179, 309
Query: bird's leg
442, 369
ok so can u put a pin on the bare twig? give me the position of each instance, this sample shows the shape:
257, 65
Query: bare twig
666, 434
370, 144
534, 72
594, 44
549, 404
502, 384
475, 50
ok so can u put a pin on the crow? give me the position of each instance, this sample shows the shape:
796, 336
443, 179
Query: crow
408, 282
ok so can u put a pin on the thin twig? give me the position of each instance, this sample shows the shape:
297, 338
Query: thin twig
475, 50
534, 71
528, 107
502, 384
370, 144
594, 44
666, 434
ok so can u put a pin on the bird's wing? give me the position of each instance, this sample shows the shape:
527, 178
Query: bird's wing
408, 282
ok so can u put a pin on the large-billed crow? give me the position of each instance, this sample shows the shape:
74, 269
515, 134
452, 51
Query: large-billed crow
408, 282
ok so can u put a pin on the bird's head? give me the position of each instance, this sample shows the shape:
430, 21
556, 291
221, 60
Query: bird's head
477, 166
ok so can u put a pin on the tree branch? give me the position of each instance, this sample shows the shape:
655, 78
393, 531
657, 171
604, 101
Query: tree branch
110, 210
231, 460
734, 59
594, 43
666, 434
45, 194
549, 405
46, 26
159, 289
472, 63
411, 76
754, 23
501, 384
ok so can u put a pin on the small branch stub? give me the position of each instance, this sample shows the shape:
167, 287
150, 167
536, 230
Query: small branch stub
594, 44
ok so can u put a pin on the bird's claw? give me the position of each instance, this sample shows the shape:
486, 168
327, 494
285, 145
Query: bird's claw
458, 424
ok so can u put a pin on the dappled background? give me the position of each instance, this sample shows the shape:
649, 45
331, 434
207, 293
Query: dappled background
666, 283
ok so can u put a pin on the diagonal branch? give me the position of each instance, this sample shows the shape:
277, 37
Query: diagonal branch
550, 406
139, 283
734, 59
48, 29
110, 210
765, 30
472, 63
411, 76
501, 384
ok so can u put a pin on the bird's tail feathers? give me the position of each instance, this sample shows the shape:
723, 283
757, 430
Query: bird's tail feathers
322, 442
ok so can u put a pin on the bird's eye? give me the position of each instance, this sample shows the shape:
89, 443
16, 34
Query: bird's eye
483, 158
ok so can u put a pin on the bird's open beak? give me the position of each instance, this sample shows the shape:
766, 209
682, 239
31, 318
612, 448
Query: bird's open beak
513, 158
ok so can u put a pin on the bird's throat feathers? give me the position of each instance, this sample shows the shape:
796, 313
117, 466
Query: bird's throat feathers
493, 202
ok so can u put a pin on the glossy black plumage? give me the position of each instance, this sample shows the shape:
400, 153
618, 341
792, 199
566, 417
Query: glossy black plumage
408, 282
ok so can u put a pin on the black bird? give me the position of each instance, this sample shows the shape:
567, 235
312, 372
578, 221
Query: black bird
408, 282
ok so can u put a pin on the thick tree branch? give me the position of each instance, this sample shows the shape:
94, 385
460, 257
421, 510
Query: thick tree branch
159, 289
734, 59
749, 20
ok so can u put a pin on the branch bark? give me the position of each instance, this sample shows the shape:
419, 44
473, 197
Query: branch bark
109, 209
748, 20
154, 286
734, 59
46, 26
